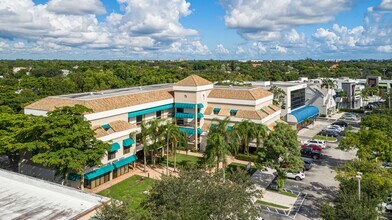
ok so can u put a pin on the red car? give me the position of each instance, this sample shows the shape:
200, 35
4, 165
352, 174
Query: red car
313, 146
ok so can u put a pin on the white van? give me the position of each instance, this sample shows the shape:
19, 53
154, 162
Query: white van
320, 143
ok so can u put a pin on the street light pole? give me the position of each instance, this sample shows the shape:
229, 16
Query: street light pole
359, 177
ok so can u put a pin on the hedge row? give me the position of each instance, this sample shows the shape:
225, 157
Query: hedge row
250, 157
360, 111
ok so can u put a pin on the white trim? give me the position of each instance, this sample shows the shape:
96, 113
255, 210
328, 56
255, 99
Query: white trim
193, 88
231, 101
29, 111
118, 134
233, 119
119, 111
269, 117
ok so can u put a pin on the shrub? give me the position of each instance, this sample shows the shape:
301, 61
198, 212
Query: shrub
360, 111
250, 157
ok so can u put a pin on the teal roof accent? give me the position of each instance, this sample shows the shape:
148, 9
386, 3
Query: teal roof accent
305, 113
217, 109
229, 128
128, 142
233, 111
187, 105
106, 127
188, 115
125, 161
149, 110
99, 172
191, 130
73, 176
115, 147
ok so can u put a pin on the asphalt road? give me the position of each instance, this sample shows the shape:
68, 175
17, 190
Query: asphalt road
319, 183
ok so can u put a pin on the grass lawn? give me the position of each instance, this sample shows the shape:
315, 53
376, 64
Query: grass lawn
130, 190
182, 160
235, 166
272, 204
283, 193
320, 137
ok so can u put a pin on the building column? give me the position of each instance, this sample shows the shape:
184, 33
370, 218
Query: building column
196, 132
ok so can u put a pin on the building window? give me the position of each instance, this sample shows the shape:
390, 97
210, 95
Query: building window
158, 114
139, 119
297, 98
120, 171
216, 111
111, 155
233, 112
90, 184
139, 139
126, 150
180, 110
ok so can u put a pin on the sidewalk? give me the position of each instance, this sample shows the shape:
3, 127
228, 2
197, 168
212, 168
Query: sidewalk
278, 199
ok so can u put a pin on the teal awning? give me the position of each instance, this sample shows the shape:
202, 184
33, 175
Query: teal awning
73, 176
125, 161
188, 115
229, 128
217, 109
128, 142
233, 111
187, 105
106, 127
149, 110
115, 147
191, 130
99, 172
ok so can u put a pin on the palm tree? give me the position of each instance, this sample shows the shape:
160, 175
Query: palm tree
144, 133
279, 95
217, 150
155, 129
328, 83
260, 132
172, 134
231, 136
247, 131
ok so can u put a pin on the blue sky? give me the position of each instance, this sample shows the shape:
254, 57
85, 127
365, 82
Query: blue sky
196, 29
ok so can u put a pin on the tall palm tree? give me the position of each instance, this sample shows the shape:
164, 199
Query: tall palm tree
231, 137
260, 132
247, 131
279, 95
171, 134
144, 133
155, 129
217, 150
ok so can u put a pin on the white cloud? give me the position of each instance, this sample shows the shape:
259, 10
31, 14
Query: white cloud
142, 26
220, 49
385, 49
259, 47
385, 5
253, 19
280, 49
76, 7
19, 45
240, 50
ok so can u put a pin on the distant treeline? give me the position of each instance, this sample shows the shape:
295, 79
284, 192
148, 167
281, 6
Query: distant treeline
40, 78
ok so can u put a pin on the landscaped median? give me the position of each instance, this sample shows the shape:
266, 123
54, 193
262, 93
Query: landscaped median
269, 204
326, 138
277, 200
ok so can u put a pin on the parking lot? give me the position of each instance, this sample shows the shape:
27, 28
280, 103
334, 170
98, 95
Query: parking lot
319, 183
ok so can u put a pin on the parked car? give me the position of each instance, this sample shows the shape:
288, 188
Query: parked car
336, 130
307, 163
313, 147
309, 153
350, 117
329, 133
295, 175
341, 123
320, 143
386, 165
337, 127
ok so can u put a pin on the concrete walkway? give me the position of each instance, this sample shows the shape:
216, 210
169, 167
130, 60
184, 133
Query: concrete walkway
278, 199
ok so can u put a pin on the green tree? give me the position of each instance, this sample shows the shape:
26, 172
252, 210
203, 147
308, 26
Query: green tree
216, 151
155, 129
71, 142
279, 95
20, 134
281, 148
114, 211
144, 135
196, 194
328, 84
249, 131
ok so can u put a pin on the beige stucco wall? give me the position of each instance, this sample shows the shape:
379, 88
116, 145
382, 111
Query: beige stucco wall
229, 106
107, 120
120, 152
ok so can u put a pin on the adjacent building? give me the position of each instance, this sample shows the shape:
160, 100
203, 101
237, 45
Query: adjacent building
192, 102
24, 197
